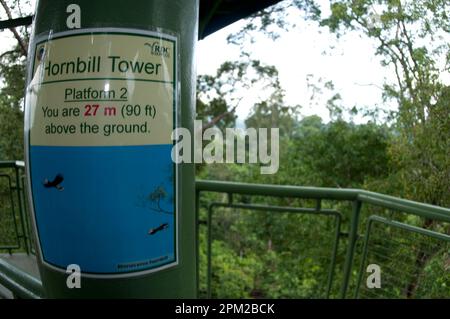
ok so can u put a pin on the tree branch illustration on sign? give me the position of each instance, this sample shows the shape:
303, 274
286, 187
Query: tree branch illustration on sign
154, 200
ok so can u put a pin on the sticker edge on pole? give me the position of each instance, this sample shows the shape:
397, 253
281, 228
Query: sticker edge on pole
49, 36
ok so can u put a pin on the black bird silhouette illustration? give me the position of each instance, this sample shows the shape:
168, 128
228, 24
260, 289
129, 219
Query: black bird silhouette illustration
161, 227
55, 182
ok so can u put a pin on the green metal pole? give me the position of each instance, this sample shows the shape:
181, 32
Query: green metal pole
197, 239
179, 18
332, 269
353, 236
363, 258
209, 253
21, 211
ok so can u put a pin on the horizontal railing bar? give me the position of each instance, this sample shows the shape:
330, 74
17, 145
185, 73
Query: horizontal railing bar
16, 288
9, 247
404, 205
17, 22
280, 209
411, 228
12, 164
381, 200
277, 190
19, 282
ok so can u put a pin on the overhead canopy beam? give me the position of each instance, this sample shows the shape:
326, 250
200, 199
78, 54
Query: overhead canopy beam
214, 14
14, 23
217, 14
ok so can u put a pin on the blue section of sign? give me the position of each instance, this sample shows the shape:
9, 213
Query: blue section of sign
107, 209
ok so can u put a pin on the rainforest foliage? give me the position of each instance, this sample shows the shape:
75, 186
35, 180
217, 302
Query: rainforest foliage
406, 154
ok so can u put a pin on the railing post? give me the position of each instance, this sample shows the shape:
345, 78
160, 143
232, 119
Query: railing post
197, 240
26, 216
333, 256
21, 211
208, 253
353, 236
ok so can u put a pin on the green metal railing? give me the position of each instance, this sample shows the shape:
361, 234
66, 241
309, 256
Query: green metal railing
15, 231
12, 208
277, 209
358, 199
357, 231
20, 283
398, 257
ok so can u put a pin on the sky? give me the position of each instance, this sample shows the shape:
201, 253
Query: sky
351, 65
306, 49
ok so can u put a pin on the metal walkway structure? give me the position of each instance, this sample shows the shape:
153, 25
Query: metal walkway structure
362, 228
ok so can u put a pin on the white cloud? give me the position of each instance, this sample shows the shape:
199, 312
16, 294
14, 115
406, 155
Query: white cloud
352, 66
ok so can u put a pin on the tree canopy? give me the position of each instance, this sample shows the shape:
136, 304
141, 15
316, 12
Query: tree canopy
263, 255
